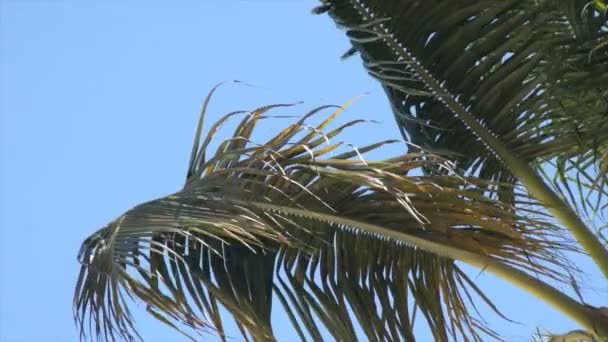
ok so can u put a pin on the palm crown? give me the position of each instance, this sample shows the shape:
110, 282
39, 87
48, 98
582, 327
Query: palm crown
487, 92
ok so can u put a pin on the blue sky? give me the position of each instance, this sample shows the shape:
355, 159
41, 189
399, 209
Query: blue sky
98, 106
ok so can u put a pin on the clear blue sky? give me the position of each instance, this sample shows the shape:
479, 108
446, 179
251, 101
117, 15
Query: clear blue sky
97, 110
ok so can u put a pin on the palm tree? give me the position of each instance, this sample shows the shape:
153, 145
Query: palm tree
488, 93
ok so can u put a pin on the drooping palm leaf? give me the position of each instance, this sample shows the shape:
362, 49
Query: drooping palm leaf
342, 243
520, 68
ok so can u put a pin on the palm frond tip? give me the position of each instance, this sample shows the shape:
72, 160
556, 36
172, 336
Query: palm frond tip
297, 221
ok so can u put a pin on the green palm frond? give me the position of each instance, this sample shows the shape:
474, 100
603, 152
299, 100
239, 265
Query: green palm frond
341, 242
520, 68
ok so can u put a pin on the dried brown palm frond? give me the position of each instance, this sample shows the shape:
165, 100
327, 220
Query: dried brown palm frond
341, 242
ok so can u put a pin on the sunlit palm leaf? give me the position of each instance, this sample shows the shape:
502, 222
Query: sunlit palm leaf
316, 227
521, 68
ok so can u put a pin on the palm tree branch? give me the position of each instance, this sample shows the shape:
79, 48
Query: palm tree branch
381, 33
260, 213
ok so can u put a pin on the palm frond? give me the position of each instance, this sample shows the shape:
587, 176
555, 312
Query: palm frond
521, 68
341, 242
